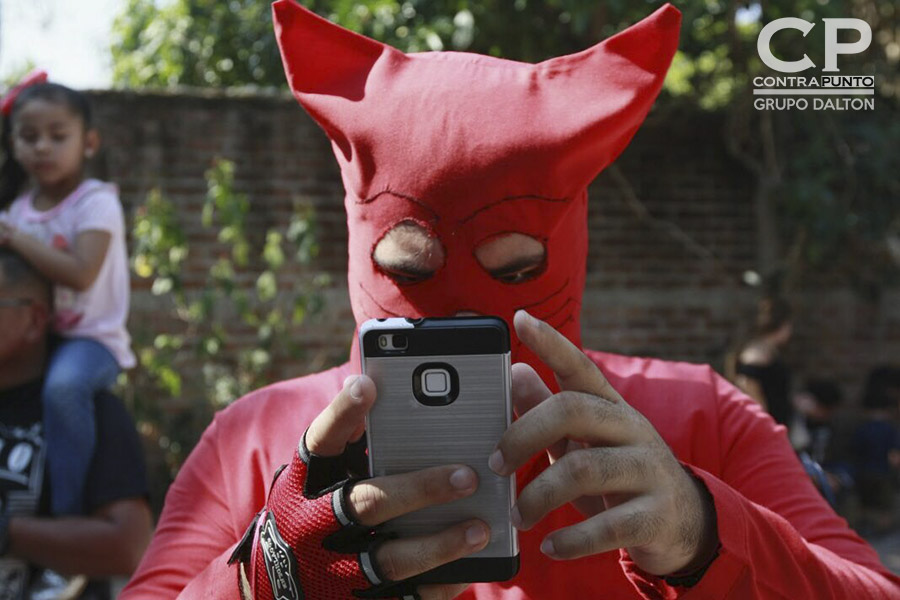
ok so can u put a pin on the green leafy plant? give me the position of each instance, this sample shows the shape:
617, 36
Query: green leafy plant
196, 352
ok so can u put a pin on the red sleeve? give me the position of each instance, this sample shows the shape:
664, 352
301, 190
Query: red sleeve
221, 487
188, 556
779, 538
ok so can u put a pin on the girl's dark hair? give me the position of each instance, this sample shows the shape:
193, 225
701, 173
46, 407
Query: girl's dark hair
12, 176
882, 388
772, 312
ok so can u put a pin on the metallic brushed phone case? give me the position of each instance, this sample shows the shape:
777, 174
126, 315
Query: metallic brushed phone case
443, 388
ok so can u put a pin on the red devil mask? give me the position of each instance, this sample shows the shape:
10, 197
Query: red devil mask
470, 148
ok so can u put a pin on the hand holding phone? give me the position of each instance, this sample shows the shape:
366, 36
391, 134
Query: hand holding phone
444, 397
373, 501
318, 511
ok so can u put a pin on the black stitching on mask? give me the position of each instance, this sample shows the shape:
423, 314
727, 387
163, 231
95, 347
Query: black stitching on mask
553, 313
570, 318
491, 205
550, 297
434, 216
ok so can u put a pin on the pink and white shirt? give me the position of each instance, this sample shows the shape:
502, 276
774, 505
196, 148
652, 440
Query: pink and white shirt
101, 311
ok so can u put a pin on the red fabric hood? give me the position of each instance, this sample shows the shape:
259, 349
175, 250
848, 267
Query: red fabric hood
471, 147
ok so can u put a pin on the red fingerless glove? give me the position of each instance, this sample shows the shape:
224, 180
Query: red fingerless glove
304, 545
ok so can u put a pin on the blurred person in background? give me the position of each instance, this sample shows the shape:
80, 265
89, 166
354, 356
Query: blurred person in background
813, 427
876, 450
813, 435
759, 369
71, 229
43, 557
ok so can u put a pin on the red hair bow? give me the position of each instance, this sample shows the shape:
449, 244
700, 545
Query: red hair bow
33, 78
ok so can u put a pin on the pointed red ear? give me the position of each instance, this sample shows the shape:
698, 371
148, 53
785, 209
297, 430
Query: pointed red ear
650, 43
320, 57
614, 85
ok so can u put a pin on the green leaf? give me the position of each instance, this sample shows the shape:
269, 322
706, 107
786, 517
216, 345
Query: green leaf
272, 253
161, 285
266, 286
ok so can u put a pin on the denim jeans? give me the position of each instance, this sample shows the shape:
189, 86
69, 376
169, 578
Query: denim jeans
79, 368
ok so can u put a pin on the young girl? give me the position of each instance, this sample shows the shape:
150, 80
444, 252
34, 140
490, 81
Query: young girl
72, 230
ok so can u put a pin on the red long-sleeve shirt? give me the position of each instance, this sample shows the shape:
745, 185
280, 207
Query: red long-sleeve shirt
779, 538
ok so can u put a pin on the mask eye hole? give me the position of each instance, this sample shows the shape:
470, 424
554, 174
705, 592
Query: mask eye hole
409, 253
512, 257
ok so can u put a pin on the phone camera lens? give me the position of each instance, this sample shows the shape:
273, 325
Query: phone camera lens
400, 341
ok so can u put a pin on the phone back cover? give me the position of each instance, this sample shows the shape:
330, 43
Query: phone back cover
405, 435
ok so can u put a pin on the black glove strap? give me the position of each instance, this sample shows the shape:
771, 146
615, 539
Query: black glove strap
244, 549
353, 537
327, 473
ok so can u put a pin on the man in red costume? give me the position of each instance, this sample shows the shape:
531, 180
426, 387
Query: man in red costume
466, 182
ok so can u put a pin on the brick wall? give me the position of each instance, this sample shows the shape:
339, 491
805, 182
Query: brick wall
664, 285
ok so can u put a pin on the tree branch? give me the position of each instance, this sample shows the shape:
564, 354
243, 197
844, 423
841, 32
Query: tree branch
733, 143
640, 210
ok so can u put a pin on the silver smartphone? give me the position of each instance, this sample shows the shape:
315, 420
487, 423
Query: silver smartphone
443, 396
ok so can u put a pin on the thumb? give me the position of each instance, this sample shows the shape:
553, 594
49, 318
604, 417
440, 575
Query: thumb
344, 420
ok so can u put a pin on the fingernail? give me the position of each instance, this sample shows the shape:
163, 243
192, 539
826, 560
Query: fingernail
547, 547
528, 318
356, 389
475, 535
495, 462
515, 517
462, 479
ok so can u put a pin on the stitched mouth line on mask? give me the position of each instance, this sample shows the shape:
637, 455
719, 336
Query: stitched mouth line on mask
553, 313
546, 317
561, 289
434, 216
569, 318
375, 302
491, 205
